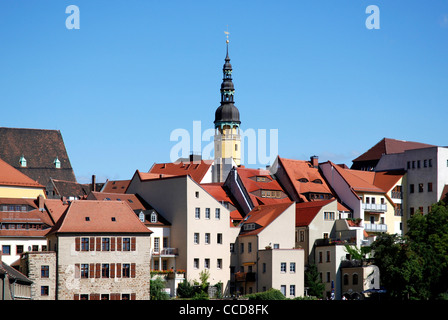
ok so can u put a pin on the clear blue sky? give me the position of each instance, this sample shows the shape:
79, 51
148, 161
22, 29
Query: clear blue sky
138, 69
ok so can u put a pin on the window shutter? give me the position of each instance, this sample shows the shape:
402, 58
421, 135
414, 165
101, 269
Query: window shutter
112, 244
95, 296
98, 244
98, 270
92, 244
92, 270
118, 244
133, 240
114, 296
76, 296
118, 270
132, 296
132, 270
77, 243
112, 270
77, 270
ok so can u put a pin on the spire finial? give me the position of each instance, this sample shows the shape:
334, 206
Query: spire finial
227, 34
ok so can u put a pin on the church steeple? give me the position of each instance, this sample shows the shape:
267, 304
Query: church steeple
227, 112
227, 126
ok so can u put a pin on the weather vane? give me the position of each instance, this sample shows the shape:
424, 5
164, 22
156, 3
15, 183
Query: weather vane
227, 34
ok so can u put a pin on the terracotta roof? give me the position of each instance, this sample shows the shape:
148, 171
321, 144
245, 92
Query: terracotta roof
388, 146
361, 181
307, 211
40, 148
303, 170
19, 201
116, 186
92, 216
131, 199
248, 178
217, 191
55, 208
9, 176
262, 216
196, 169
386, 180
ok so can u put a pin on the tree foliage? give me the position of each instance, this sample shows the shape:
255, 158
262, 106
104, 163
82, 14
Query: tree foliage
416, 266
156, 289
312, 281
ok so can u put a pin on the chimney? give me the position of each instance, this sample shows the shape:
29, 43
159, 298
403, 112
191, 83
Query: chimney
40, 202
315, 161
93, 183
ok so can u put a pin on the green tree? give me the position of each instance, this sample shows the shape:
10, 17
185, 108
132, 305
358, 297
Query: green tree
312, 281
157, 292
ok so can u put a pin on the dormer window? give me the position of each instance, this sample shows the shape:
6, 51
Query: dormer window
141, 216
249, 226
22, 161
57, 163
153, 217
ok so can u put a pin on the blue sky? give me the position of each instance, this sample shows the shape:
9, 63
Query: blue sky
137, 70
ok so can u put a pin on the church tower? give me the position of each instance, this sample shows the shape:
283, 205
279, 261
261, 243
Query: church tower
227, 127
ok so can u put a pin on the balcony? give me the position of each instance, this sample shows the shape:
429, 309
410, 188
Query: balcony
371, 227
245, 276
373, 207
166, 252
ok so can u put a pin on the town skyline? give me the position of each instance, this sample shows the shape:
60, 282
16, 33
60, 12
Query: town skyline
120, 84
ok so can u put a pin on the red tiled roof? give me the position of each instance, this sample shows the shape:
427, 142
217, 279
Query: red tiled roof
263, 216
196, 169
131, 199
248, 178
9, 176
55, 208
307, 211
386, 180
389, 146
91, 216
361, 181
300, 169
116, 186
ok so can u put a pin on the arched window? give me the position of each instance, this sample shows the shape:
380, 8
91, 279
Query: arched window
345, 279
355, 279
153, 217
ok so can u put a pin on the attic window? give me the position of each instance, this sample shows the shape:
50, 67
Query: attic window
304, 180
22, 161
249, 226
57, 163
141, 216
113, 219
317, 181
130, 201
87, 218
153, 217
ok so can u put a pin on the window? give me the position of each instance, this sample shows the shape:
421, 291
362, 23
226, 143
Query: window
242, 248
283, 289
355, 279
320, 256
328, 256
197, 213
126, 244
84, 270
207, 213
126, 270
249, 226
276, 246
207, 263
196, 238
217, 213
196, 194
232, 247
156, 244
292, 290
219, 263
44, 271
219, 238
411, 188
249, 247
84, 244
264, 267
196, 263
207, 238
105, 270
44, 291
105, 244
283, 267
411, 211
153, 217
429, 186
19, 249
328, 277
430, 163
345, 279
328, 215
420, 187
292, 267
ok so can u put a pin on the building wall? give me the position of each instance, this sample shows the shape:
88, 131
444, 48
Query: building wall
27, 244
176, 199
31, 265
20, 192
368, 277
329, 269
70, 283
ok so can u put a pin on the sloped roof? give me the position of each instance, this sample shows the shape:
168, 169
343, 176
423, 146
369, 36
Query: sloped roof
217, 191
249, 179
9, 176
300, 169
307, 211
196, 169
131, 199
386, 180
71, 188
116, 186
389, 146
361, 181
263, 216
92, 216
40, 148
55, 208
